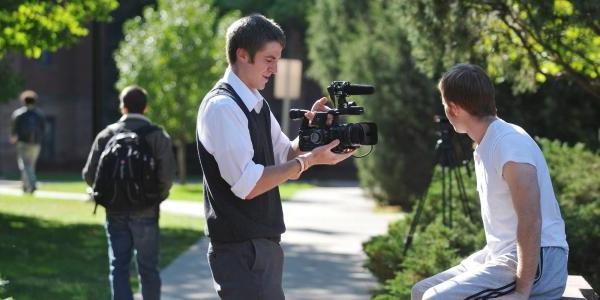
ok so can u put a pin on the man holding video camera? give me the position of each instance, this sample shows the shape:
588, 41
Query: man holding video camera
526, 252
244, 157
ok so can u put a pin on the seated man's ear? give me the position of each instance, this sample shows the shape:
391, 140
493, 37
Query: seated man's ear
454, 109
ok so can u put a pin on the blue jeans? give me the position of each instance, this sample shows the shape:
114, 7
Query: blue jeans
128, 235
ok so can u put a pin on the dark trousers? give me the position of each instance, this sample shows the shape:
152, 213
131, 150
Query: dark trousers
249, 270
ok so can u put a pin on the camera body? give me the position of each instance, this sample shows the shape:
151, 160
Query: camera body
352, 135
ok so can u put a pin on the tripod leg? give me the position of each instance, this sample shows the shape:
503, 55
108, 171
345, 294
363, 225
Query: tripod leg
444, 170
463, 194
450, 198
413, 224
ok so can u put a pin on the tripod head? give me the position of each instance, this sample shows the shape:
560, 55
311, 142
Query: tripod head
447, 147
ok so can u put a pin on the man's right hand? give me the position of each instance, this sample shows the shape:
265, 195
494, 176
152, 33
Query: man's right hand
323, 156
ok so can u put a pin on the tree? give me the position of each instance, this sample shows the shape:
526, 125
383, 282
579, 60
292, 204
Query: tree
361, 42
30, 27
520, 42
175, 52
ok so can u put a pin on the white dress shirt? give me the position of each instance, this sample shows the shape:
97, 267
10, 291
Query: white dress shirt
223, 130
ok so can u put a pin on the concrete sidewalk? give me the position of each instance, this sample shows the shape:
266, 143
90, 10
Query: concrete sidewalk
322, 245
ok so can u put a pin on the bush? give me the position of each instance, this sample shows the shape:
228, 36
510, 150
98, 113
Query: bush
575, 173
435, 246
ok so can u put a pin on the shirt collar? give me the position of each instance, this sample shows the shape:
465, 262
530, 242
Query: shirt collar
133, 116
251, 97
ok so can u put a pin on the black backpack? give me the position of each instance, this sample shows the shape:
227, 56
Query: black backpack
126, 176
30, 127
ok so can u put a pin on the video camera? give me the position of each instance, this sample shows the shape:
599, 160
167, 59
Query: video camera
351, 135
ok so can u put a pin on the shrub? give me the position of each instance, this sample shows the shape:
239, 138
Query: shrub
435, 246
575, 173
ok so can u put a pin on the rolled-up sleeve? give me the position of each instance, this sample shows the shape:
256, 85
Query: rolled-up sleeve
247, 181
223, 131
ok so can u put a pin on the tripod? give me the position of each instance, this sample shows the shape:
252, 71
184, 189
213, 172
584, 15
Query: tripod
447, 159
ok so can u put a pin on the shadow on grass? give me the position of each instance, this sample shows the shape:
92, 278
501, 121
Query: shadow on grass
50, 260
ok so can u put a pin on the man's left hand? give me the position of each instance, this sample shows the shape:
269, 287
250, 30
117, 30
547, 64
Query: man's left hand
319, 106
514, 296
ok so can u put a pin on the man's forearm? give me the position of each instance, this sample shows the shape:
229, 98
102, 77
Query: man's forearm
522, 182
273, 176
528, 250
294, 150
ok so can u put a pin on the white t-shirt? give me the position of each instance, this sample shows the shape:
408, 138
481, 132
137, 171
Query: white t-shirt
222, 128
504, 142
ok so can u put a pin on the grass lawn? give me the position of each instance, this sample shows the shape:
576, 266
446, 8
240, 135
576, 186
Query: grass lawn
188, 192
56, 249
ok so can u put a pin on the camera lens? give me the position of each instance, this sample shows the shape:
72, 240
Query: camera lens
316, 138
355, 134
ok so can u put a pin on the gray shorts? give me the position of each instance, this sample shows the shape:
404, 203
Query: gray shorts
476, 278
249, 270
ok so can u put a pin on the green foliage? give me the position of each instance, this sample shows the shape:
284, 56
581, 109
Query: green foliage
397, 45
361, 42
435, 247
521, 42
575, 175
557, 101
31, 26
176, 51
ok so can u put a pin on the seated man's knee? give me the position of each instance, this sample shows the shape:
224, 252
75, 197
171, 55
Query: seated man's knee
417, 291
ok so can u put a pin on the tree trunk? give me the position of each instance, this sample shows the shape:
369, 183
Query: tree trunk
181, 166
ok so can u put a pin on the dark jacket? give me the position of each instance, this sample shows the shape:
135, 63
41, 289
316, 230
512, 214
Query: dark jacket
161, 147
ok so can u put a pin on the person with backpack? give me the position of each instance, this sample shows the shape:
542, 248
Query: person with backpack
27, 132
130, 169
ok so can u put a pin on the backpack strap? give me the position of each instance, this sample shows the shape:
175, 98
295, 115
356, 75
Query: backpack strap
143, 131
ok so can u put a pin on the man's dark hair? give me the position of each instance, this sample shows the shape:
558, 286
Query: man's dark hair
134, 98
28, 97
469, 86
252, 33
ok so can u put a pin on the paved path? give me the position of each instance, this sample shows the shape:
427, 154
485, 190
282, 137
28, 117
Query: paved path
323, 255
322, 245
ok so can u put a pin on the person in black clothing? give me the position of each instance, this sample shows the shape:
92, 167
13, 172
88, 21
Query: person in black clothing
27, 131
244, 156
136, 229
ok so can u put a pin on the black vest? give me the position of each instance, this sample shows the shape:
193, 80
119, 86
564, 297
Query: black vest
228, 217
